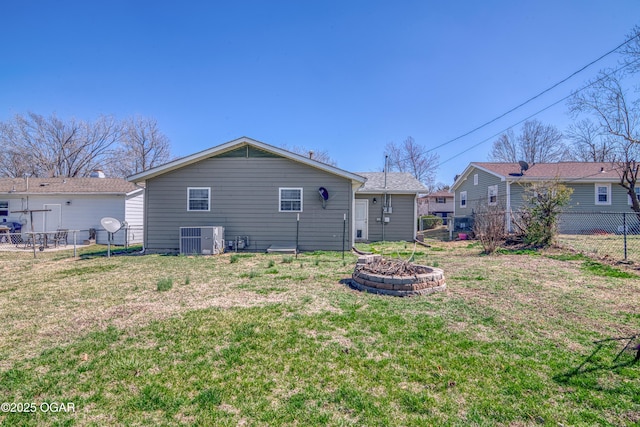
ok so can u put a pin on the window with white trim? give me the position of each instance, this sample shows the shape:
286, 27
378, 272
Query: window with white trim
475, 179
290, 199
198, 199
4, 208
463, 199
492, 195
603, 194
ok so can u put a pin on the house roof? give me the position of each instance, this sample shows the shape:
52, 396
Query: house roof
396, 182
438, 194
233, 145
67, 186
563, 171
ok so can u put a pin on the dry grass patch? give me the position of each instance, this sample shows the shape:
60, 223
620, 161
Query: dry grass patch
509, 343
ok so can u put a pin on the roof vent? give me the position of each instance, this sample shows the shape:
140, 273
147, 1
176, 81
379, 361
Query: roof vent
98, 173
602, 169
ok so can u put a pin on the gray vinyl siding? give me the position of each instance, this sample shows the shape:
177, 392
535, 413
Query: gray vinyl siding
582, 199
478, 194
401, 225
245, 201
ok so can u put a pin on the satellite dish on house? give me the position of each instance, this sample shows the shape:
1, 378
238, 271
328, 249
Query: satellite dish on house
324, 194
524, 166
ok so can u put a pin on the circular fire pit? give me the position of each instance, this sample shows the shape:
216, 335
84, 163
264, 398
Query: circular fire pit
396, 277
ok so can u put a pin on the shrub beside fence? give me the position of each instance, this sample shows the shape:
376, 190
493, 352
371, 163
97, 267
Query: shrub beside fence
603, 234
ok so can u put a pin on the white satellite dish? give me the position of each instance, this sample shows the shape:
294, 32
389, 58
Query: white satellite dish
111, 224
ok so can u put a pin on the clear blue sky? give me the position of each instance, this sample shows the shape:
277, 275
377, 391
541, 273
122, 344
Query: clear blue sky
343, 76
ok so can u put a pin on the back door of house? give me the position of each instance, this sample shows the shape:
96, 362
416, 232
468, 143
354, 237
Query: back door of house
362, 219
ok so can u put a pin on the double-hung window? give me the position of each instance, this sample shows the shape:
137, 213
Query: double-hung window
290, 199
603, 194
463, 199
198, 199
4, 208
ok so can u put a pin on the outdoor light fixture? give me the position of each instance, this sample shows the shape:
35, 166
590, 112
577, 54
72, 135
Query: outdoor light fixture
375, 200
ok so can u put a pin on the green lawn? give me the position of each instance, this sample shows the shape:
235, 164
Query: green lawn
268, 340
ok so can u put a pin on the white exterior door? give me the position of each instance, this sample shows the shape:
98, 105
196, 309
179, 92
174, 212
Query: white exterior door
362, 219
52, 218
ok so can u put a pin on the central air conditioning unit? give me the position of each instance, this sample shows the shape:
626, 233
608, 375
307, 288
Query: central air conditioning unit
205, 240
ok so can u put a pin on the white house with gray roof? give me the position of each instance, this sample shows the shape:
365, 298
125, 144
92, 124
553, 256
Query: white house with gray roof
271, 197
74, 204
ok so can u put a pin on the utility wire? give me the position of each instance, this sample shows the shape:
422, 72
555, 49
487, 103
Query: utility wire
536, 96
537, 112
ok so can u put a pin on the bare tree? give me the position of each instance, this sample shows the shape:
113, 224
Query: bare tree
319, 155
617, 115
537, 143
13, 162
142, 147
50, 146
489, 226
631, 50
589, 144
505, 148
413, 158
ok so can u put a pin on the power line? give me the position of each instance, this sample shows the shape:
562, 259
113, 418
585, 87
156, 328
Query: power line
537, 112
536, 96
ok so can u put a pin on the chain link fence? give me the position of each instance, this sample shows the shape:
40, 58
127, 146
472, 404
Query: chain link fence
603, 234
600, 234
16, 247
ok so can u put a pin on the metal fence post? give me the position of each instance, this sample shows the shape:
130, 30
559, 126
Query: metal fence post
624, 227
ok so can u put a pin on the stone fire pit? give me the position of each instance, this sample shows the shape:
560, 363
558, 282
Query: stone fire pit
396, 277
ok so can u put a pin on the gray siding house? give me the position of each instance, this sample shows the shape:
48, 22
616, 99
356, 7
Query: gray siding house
386, 206
265, 194
74, 204
595, 186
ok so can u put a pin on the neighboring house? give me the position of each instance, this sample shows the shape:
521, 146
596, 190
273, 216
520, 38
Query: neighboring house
595, 187
439, 204
74, 204
386, 206
266, 196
